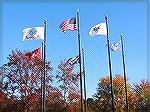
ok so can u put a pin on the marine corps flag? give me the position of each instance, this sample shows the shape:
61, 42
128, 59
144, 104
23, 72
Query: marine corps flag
34, 54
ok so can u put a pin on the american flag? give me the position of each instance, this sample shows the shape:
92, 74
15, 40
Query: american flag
69, 24
73, 60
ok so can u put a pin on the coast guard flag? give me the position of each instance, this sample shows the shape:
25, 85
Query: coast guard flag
73, 60
116, 46
99, 29
69, 24
33, 33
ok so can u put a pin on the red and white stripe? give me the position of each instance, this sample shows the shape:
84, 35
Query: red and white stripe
67, 26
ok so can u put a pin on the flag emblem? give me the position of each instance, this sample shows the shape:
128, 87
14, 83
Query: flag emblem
69, 24
32, 32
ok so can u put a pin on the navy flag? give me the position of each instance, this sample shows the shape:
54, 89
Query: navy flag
99, 29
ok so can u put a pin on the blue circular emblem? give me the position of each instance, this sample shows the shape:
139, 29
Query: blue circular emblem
32, 32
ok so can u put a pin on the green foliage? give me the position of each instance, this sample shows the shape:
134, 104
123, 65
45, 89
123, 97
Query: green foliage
91, 104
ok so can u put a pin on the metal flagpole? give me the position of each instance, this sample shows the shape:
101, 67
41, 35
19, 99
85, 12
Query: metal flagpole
123, 61
43, 95
64, 88
80, 60
42, 78
111, 81
84, 80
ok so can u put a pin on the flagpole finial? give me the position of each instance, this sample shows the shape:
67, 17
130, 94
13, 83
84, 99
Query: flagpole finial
45, 20
82, 48
105, 16
121, 35
77, 10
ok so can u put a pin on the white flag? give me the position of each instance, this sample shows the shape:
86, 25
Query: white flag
116, 46
33, 33
99, 29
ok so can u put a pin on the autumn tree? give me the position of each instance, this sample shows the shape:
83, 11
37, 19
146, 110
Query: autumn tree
103, 95
91, 105
22, 79
119, 93
69, 84
142, 92
55, 101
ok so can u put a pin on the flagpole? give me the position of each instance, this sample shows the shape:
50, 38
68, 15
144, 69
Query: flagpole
84, 80
111, 81
43, 95
64, 88
80, 60
123, 61
42, 78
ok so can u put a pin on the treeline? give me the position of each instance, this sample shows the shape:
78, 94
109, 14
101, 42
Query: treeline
138, 96
20, 88
21, 85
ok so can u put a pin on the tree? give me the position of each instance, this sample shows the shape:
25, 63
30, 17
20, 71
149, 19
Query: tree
103, 95
69, 84
119, 93
138, 97
91, 105
22, 79
142, 92
55, 102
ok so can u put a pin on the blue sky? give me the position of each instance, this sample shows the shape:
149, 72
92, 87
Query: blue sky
130, 19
